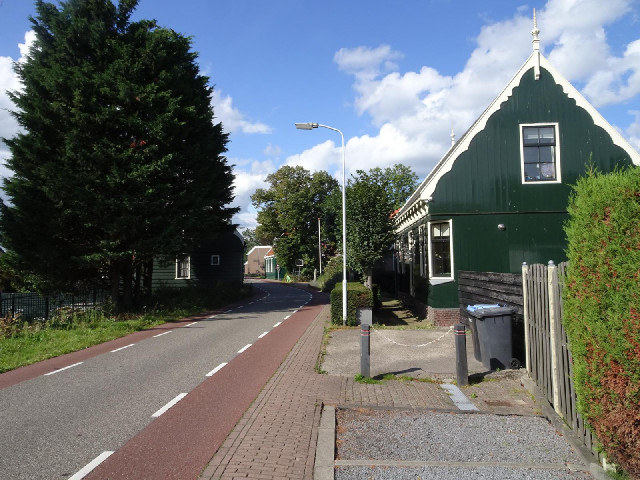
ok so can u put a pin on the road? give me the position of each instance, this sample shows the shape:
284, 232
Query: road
163, 403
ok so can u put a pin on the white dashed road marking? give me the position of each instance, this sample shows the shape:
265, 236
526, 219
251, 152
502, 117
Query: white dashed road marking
169, 405
215, 370
122, 348
64, 368
244, 348
87, 469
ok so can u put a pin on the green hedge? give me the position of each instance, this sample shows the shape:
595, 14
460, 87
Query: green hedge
331, 274
602, 309
358, 296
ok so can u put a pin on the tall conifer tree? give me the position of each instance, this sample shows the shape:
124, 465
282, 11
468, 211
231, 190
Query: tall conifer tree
119, 159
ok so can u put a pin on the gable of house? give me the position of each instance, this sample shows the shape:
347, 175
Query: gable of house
255, 264
483, 207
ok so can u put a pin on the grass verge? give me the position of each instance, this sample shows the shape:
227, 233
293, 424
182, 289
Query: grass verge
23, 343
36, 344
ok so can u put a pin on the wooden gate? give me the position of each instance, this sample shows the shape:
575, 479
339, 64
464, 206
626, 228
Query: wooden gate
548, 357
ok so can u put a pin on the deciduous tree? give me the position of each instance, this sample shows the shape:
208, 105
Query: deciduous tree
288, 212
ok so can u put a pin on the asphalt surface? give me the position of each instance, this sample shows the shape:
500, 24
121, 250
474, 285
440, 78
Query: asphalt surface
57, 423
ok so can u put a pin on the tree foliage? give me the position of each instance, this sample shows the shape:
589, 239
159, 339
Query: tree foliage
119, 159
398, 182
602, 309
369, 227
288, 212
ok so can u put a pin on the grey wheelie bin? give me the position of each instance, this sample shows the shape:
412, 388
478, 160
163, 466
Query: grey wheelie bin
493, 332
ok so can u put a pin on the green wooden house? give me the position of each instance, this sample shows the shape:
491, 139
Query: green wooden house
499, 196
219, 260
273, 269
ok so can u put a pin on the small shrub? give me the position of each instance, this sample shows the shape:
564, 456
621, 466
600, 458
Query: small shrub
358, 296
10, 325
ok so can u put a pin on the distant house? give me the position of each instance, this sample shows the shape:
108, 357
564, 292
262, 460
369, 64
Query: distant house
273, 269
255, 264
219, 260
499, 196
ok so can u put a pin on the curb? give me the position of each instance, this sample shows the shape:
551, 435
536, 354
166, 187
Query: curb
326, 446
587, 456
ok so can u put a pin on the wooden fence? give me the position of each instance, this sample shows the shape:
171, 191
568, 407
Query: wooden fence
548, 358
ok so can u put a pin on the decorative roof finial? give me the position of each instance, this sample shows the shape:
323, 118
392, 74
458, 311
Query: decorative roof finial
536, 45
453, 137
535, 32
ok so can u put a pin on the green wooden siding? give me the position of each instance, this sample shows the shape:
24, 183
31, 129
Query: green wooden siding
484, 187
230, 270
272, 272
487, 177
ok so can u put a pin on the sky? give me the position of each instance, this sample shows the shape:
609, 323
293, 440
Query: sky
396, 77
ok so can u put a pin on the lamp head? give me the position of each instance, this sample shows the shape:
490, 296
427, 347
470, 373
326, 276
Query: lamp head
306, 126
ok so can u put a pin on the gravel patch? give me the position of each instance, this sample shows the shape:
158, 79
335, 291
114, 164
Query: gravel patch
366, 434
453, 473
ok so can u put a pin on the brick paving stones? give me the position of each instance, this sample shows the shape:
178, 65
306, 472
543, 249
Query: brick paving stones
276, 438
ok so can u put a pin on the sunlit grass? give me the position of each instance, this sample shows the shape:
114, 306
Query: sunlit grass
37, 343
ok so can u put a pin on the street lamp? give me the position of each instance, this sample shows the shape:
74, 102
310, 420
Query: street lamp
311, 126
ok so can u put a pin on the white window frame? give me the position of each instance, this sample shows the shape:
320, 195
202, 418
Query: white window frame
188, 260
556, 129
215, 260
435, 280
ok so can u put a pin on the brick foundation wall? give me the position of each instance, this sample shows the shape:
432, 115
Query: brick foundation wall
443, 317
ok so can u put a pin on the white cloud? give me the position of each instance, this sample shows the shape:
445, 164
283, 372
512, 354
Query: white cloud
576, 32
415, 112
366, 62
633, 132
272, 150
232, 119
247, 180
9, 81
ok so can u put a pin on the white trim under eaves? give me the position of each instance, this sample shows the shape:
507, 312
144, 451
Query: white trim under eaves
598, 119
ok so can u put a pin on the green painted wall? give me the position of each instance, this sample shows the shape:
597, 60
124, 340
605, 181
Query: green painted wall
484, 187
273, 274
230, 270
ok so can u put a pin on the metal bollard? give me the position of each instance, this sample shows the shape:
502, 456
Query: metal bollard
462, 370
365, 349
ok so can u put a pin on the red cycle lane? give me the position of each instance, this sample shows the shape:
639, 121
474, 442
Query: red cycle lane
180, 443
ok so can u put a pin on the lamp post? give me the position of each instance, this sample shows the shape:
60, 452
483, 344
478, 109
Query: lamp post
319, 248
311, 126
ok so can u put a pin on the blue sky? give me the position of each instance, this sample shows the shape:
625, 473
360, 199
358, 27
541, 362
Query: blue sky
395, 76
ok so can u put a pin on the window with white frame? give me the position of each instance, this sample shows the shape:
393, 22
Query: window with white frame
440, 250
215, 259
183, 267
540, 153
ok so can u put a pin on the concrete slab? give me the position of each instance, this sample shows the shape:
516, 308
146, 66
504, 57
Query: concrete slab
424, 353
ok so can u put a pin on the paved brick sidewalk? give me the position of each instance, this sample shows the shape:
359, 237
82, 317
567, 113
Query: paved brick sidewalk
276, 438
